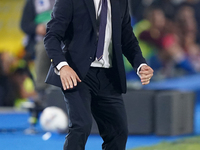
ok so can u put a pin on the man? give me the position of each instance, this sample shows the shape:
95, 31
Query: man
90, 68
36, 14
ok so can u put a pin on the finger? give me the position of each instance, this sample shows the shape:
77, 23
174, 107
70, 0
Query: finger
70, 83
143, 67
78, 79
74, 81
149, 68
146, 82
146, 76
63, 84
145, 79
146, 68
146, 72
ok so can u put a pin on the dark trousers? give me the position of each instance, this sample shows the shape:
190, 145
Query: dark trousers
96, 95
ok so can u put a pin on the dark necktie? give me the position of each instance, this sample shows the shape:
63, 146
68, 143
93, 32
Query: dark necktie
102, 29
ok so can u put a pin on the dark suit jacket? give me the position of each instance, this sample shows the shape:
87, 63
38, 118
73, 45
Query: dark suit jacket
74, 23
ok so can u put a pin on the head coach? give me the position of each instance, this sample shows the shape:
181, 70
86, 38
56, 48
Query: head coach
89, 68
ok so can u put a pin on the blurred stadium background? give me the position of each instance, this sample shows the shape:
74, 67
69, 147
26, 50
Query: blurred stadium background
166, 110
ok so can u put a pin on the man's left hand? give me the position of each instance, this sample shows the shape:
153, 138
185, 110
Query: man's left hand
146, 74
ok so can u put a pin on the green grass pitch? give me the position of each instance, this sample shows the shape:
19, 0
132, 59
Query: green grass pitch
184, 144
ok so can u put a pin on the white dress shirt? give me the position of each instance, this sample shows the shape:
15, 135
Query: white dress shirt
106, 61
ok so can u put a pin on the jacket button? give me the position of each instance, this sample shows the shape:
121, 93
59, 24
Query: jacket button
91, 58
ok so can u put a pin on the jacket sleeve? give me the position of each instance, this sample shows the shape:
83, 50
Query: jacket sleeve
56, 28
130, 45
28, 16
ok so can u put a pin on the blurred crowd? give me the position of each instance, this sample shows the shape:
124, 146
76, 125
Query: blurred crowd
169, 35
22, 78
168, 32
15, 80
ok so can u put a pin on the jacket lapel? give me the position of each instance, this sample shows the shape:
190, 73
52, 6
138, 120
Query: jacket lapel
116, 17
91, 9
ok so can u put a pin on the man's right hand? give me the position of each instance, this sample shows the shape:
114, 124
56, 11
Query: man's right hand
41, 29
68, 77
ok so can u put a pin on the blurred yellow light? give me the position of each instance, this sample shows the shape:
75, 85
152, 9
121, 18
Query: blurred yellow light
11, 35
